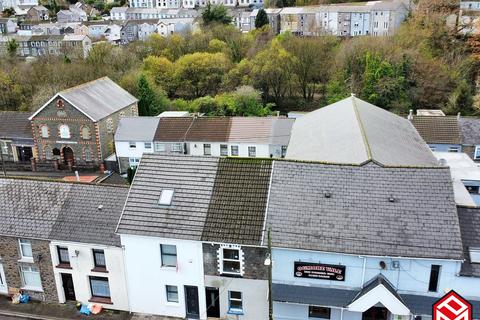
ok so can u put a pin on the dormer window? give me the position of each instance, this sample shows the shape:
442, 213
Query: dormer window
166, 197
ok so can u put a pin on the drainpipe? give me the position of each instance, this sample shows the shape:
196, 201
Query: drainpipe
363, 270
341, 313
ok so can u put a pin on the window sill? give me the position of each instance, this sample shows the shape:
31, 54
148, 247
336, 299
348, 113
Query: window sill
63, 266
32, 289
99, 269
101, 300
235, 311
172, 304
168, 267
26, 260
231, 274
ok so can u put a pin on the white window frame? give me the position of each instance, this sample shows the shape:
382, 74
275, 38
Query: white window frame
231, 150
254, 151
159, 147
166, 197
26, 242
4, 147
132, 145
167, 291
454, 149
221, 259
474, 254
149, 144
177, 147
225, 147
64, 131
168, 254
133, 162
29, 269
477, 150
207, 146
235, 310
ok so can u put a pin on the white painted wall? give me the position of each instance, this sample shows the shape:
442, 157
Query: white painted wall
262, 150
123, 149
81, 269
146, 278
254, 296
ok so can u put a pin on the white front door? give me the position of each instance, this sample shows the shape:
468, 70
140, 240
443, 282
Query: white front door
3, 282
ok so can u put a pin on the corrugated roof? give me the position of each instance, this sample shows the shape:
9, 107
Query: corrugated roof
434, 129
15, 124
347, 209
353, 131
97, 99
136, 129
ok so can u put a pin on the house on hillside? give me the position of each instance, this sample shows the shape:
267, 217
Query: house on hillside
76, 126
16, 140
440, 132
37, 13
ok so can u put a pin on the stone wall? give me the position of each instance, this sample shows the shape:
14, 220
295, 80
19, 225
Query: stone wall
253, 257
10, 255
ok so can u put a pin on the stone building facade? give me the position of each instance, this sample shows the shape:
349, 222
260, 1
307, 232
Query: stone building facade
77, 133
16, 267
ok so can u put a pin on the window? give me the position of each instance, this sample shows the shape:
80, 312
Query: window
26, 249
88, 154
169, 255
85, 133
148, 145
30, 277
318, 312
44, 131
235, 304
64, 131
252, 151
434, 273
207, 149
132, 145
473, 189
133, 162
234, 151
4, 147
160, 147
166, 197
223, 150
231, 262
63, 257
172, 293
453, 149
477, 153
99, 287
177, 147
99, 259
284, 151
433, 149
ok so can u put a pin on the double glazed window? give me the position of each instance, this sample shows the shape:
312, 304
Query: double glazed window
231, 262
235, 303
169, 255
319, 312
159, 147
252, 152
172, 293
477, 153
234, 151
26, 249
99, 259
63, 257
223, 150
30, 277
434, 275
177, 147
207, 149
99, 287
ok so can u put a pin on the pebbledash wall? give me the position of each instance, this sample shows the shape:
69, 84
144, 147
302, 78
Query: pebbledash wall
11, 260
253, 283
147, 279
101, 133
410, 277
82, 267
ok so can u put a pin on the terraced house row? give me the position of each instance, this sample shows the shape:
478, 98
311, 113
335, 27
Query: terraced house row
358, 221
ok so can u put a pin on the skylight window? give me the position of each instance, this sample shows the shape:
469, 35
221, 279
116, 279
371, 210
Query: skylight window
166, 197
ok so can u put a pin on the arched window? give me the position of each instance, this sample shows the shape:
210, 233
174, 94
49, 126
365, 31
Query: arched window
64, 131
44, 131
85, 133
88, 154
48, 153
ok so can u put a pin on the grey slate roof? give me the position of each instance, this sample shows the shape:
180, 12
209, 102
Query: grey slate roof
325, 296
470, 131
60, 211
379, 279
470, 227
81, 220
136, 129
14, 124
215, 199
352, 131
97, 99
192, 179
358, 217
